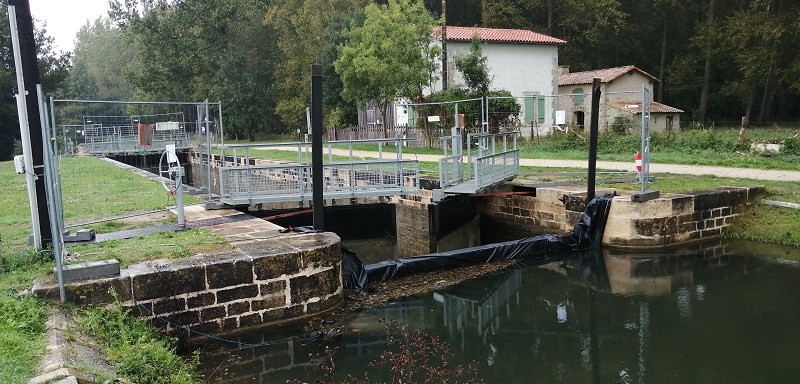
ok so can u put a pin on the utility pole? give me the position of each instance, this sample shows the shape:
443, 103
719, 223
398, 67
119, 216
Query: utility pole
27, 69
444, 45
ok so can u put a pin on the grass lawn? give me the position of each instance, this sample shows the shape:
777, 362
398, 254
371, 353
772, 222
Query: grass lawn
93, 189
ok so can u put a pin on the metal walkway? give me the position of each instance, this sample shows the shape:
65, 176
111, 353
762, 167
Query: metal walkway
245, 178
491, 159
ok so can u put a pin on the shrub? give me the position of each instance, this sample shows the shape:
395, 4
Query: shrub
134, 348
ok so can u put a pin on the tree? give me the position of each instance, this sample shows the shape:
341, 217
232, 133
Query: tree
53, 69
102, 55
473, 67
305, 29
389, 56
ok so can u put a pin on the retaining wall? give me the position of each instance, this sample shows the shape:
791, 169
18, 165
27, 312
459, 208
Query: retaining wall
260, 282
669, 220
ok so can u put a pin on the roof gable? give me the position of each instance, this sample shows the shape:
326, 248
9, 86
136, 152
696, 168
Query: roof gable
635, 107
606, 75
496, 35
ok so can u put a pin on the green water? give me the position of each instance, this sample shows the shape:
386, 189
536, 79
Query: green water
716, 313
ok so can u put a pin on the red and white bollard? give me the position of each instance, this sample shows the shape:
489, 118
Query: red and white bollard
638, 159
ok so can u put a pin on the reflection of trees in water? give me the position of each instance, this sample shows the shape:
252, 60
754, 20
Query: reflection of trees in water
509, 322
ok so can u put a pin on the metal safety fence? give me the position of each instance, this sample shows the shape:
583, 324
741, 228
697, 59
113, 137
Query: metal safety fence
247, 179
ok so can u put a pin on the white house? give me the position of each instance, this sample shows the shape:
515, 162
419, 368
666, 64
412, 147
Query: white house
523, 62
620, 99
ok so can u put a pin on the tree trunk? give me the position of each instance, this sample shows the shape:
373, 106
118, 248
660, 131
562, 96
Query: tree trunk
663, 61
701, 111
766, 99
384, 106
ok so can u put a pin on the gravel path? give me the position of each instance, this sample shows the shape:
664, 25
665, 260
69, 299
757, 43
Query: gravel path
681, 169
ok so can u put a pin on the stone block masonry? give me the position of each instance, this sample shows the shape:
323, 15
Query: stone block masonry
668, 220
269, 277
677, 218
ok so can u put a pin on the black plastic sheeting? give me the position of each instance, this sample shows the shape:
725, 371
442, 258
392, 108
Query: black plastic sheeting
588, 233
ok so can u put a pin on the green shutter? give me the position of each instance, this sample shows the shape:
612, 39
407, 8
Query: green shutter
411, 117
529, 103
578, 99
541, 110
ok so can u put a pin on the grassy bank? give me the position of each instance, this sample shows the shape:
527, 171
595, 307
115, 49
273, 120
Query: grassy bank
93, 189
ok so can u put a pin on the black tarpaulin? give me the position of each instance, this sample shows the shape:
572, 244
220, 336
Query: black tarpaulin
587, 233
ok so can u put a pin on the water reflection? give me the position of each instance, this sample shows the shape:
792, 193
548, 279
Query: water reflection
700, 314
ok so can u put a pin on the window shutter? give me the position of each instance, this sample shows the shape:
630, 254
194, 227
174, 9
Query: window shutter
541, 110
529, 105
578, 99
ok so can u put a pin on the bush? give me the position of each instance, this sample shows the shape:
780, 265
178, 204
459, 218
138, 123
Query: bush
791, 146
621, 124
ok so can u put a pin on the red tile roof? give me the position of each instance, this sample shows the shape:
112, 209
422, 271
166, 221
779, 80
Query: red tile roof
496, 35
635, 107
606, 75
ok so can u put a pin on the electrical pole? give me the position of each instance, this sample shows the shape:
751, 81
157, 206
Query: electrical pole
444, 45
27, 69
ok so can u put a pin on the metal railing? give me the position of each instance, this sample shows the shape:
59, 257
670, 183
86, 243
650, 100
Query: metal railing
491, 158
495, 168
125, 139
246, 180
451, 165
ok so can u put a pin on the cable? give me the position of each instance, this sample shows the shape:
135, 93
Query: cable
276, 342
127, 216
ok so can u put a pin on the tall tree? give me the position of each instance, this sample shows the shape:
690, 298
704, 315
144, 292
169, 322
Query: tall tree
389, 56
709, 43
102, 56
302, 27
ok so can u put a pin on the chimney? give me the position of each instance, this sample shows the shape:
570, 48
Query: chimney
563, 69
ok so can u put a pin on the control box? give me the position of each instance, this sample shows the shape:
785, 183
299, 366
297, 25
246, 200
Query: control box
19, 164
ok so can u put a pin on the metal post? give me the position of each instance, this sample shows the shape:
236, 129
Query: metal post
27, 68
593, 132
56, 216
179, 202
316, 147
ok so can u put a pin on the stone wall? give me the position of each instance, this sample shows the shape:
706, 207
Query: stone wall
669, 220
518, 216
677, 218
413, 228
260, 282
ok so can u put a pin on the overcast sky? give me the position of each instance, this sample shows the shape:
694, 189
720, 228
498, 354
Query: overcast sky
65, 17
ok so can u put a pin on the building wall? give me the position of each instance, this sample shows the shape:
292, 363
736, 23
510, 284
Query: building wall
631, 81
522, 69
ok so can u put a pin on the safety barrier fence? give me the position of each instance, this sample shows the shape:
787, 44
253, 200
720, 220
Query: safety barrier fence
243, 180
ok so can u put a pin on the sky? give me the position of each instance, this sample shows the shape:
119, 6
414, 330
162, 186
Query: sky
65, 17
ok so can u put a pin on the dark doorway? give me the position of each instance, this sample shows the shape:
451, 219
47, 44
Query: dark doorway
579, 118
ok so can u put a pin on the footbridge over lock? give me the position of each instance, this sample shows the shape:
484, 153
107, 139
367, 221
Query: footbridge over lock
471, 163
491, 158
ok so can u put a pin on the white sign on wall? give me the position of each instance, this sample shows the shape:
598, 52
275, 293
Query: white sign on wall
167, 126
433, 119
561, 117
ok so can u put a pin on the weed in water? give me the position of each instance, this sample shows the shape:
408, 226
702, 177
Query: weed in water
411, 356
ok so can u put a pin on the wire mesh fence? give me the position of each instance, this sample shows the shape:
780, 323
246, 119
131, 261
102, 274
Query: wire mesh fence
103, 148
